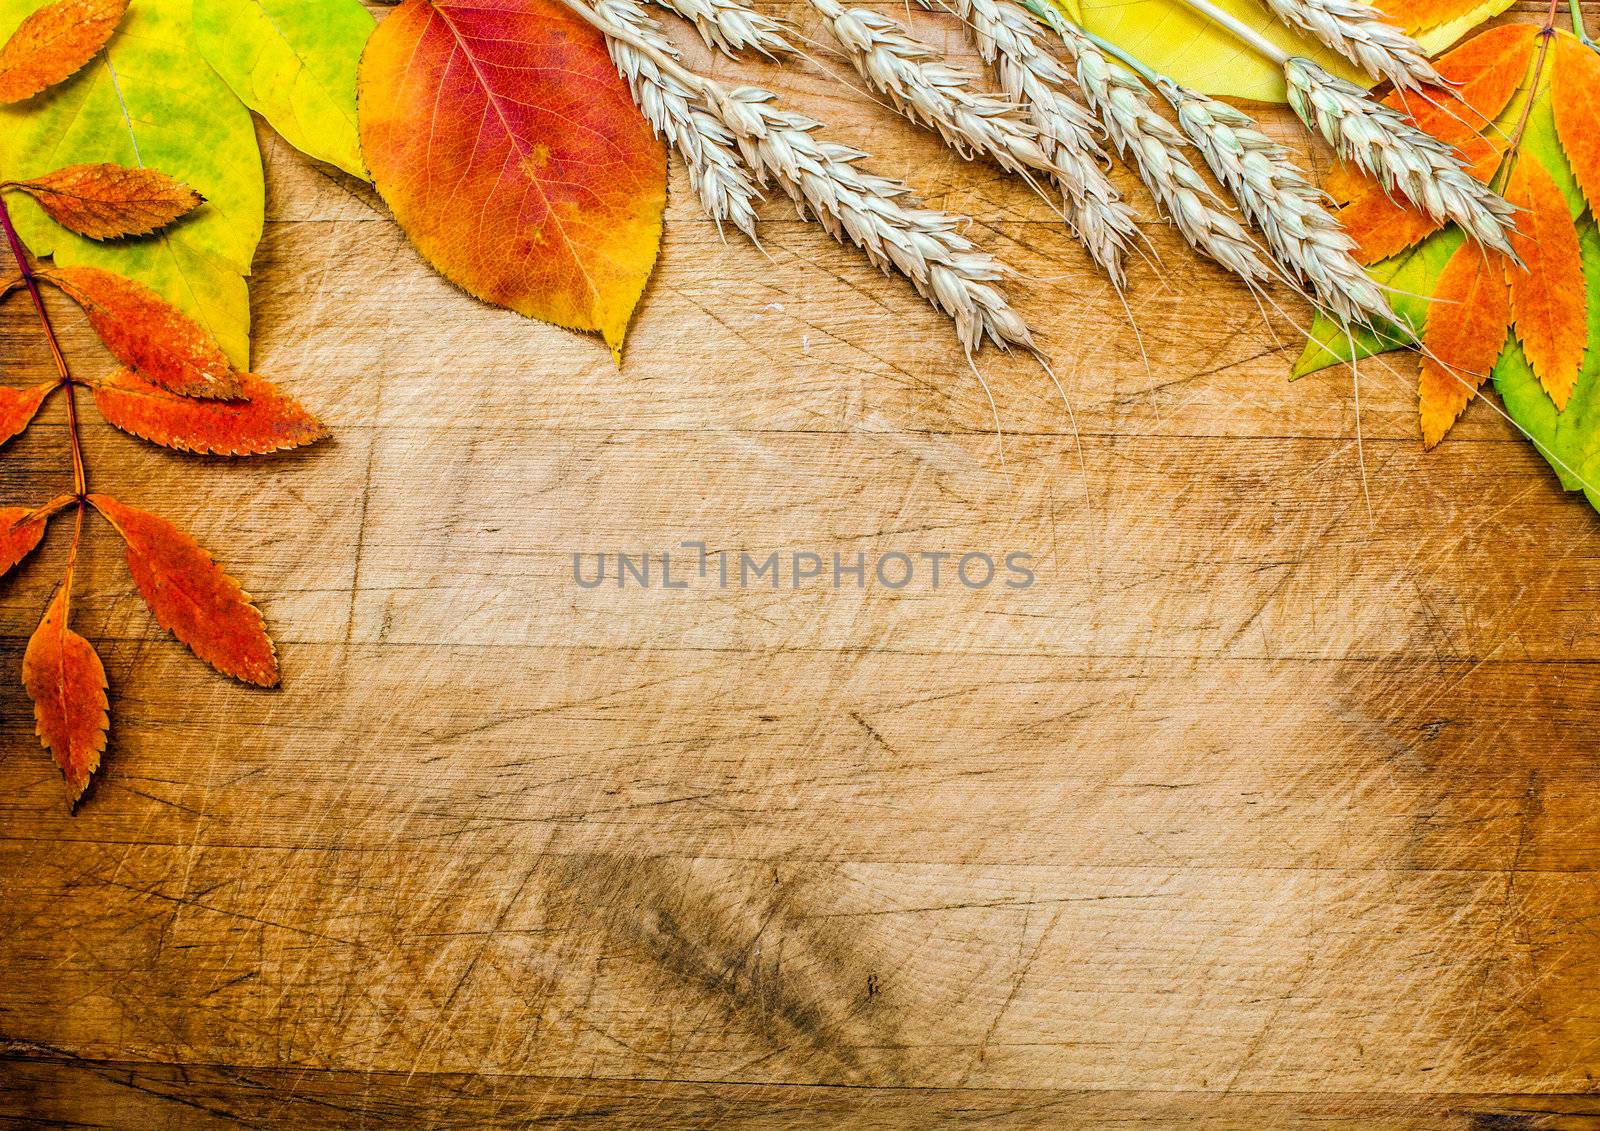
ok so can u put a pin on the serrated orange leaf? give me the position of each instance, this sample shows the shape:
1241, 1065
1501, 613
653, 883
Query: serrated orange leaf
1383, 226
510, 151
107, 201
53, 43
191, 596
1418, 15
21, 528
1484, 73
67, 684
144, 331
1547, 299
1465, 331
263, 419
17, 407
1575, 100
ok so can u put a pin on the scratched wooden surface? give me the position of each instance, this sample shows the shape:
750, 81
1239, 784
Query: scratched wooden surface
1274, 803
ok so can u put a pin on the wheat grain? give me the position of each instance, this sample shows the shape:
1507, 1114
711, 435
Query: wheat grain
1362, 34
1276, 196
1385, 145
730, 27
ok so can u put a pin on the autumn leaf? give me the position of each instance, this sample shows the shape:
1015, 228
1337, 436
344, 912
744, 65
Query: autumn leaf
1547, 297
1418, 15
145, 332
263, 419
513, 156
1484, 73
191, 596
67, 683
1466, 330
107, 201
1575, 79
21, 528
54, 43
17, 408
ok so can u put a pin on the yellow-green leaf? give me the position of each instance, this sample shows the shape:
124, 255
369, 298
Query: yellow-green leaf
294, 63
150, 100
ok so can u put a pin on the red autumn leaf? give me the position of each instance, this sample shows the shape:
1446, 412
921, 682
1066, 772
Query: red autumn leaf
263, 419
144, 331
191, 596
67, 683
1484, 72
21, 528
106, 201
1547, 299
1575, 100
508, 147
1466, 328
1383, 226
17, 407
53, 43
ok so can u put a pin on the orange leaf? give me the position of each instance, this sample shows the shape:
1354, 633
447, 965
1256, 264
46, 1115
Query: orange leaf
143, 330
67, 683
17, 407
52, 43
191, 596
1547, 300
106, 201
1575, 98
1383, 226
1468, 318
508, 147
1485, 72
21, 528
1418, 15
266, 420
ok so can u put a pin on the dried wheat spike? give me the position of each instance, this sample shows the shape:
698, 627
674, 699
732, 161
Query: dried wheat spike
730, 27
1362, 34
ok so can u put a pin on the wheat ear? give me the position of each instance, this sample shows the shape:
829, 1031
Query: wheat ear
1362, 34
1384, 144
1033, 79
730, 27
724, 186
875, 213
1275, 195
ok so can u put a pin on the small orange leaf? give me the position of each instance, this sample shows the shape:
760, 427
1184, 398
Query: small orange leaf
17, 407
1418, 15
1484, 72
21, 529
1575, 99
191, 596
1468, 318
106, 201
53, 43
1383, 226
67, 683
144, 331
1547, 299
265, 419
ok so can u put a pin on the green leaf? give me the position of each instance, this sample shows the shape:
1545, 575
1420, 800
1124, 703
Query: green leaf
150, 100
1170, 37
294, 63
1568, 440
1411, 278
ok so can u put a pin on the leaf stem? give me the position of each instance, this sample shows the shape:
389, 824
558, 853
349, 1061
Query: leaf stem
1577, 23
80, 482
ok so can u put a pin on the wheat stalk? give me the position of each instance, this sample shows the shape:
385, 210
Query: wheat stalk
730, 27
1384, 144
725, 188
1275, 195
1362, 34
875, 213
1035, 80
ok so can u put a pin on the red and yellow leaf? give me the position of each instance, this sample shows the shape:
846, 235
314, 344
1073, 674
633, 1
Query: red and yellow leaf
1485, 72
508, 147
67, 684
18, 406
263, 419
53, 43
144, 331
1575, 100
107, 201
21, 529
1383, 226
191, 596
1547, 299
1466, 328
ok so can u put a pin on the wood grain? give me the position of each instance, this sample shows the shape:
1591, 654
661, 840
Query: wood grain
1273, 804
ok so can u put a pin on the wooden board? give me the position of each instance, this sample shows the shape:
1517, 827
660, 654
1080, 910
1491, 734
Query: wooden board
1273, 803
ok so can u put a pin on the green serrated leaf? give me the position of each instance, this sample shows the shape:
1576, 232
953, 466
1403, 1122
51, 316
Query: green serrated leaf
294, 63
150, 100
